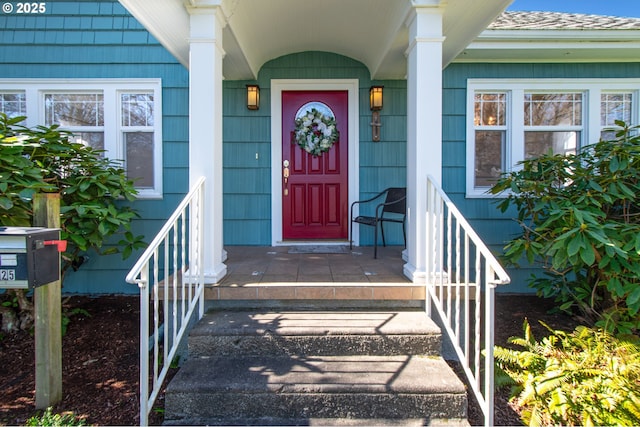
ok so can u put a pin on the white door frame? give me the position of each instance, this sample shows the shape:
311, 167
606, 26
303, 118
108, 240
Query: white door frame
277, 87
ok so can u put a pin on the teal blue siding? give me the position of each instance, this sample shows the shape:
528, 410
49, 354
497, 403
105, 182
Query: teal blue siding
247, 167
493, 226
80, 39
251, 207
174, 128
455, 154
246, 155
248, 232
391, 154
247, 179
175, 102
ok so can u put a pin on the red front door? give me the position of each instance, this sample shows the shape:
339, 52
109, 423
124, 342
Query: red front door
315, 192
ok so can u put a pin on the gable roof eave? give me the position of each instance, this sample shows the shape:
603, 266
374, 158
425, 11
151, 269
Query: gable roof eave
464, 23
542, 35
531, 45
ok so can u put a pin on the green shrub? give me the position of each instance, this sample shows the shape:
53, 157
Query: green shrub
587, 377
94, 197
47, 418
580, 219
93, 189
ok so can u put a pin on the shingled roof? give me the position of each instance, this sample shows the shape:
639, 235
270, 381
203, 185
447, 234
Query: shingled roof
562, 21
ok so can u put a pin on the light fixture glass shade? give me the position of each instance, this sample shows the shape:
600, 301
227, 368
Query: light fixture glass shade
375, 98
253, 97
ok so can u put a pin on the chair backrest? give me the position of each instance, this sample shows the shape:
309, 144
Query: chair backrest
394, 194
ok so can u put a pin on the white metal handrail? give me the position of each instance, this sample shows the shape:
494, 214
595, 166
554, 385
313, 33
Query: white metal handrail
462, 275
171, 270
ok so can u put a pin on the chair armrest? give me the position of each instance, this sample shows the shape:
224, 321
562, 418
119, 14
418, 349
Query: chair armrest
371, 199
367, 200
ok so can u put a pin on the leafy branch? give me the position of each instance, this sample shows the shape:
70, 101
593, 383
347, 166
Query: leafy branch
580, 220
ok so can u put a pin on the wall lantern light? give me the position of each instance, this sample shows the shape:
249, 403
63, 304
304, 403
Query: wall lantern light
375, 103
253, 97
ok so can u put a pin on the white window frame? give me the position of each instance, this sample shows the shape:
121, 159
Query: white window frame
515, 89
35, 90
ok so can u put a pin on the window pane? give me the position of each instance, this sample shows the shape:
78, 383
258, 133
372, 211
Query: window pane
490, 109
539, 143
94, 140
488, 157
137, 109
608, 135
13, 104
139, 158
74, 109
553, 109
615, 106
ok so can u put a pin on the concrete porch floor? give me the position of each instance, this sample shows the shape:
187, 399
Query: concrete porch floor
265, 264
275, 273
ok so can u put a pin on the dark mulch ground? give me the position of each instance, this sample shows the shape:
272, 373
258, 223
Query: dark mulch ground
100, 361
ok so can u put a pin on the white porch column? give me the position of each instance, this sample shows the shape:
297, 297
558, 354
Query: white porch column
424, 125
205, 128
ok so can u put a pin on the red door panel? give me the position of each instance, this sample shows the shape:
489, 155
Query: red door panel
297, 212
315, 206
332, 201
315, 194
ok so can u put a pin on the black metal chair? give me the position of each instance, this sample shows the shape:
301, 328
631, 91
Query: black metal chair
393, 209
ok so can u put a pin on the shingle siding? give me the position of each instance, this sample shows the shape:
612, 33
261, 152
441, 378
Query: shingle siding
87, 39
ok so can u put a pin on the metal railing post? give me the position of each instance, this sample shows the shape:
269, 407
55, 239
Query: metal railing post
429, 246
155, 269
482, 272
144, 348
489, 343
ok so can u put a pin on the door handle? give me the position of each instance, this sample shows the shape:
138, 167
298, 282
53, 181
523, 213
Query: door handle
285, 176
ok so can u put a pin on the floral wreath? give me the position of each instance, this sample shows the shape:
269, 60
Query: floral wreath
315, 132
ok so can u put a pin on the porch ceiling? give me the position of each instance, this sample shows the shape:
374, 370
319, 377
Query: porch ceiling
370, 31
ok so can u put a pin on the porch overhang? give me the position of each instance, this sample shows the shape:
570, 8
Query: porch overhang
373, 32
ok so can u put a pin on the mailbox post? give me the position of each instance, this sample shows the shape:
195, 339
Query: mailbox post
30, 259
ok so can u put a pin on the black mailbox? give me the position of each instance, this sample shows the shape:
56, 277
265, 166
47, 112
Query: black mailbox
29, 256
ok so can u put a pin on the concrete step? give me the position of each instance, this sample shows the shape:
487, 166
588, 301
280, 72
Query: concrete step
330, 422
384, 292
305, 367
386, 422
245, 333
219, 390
